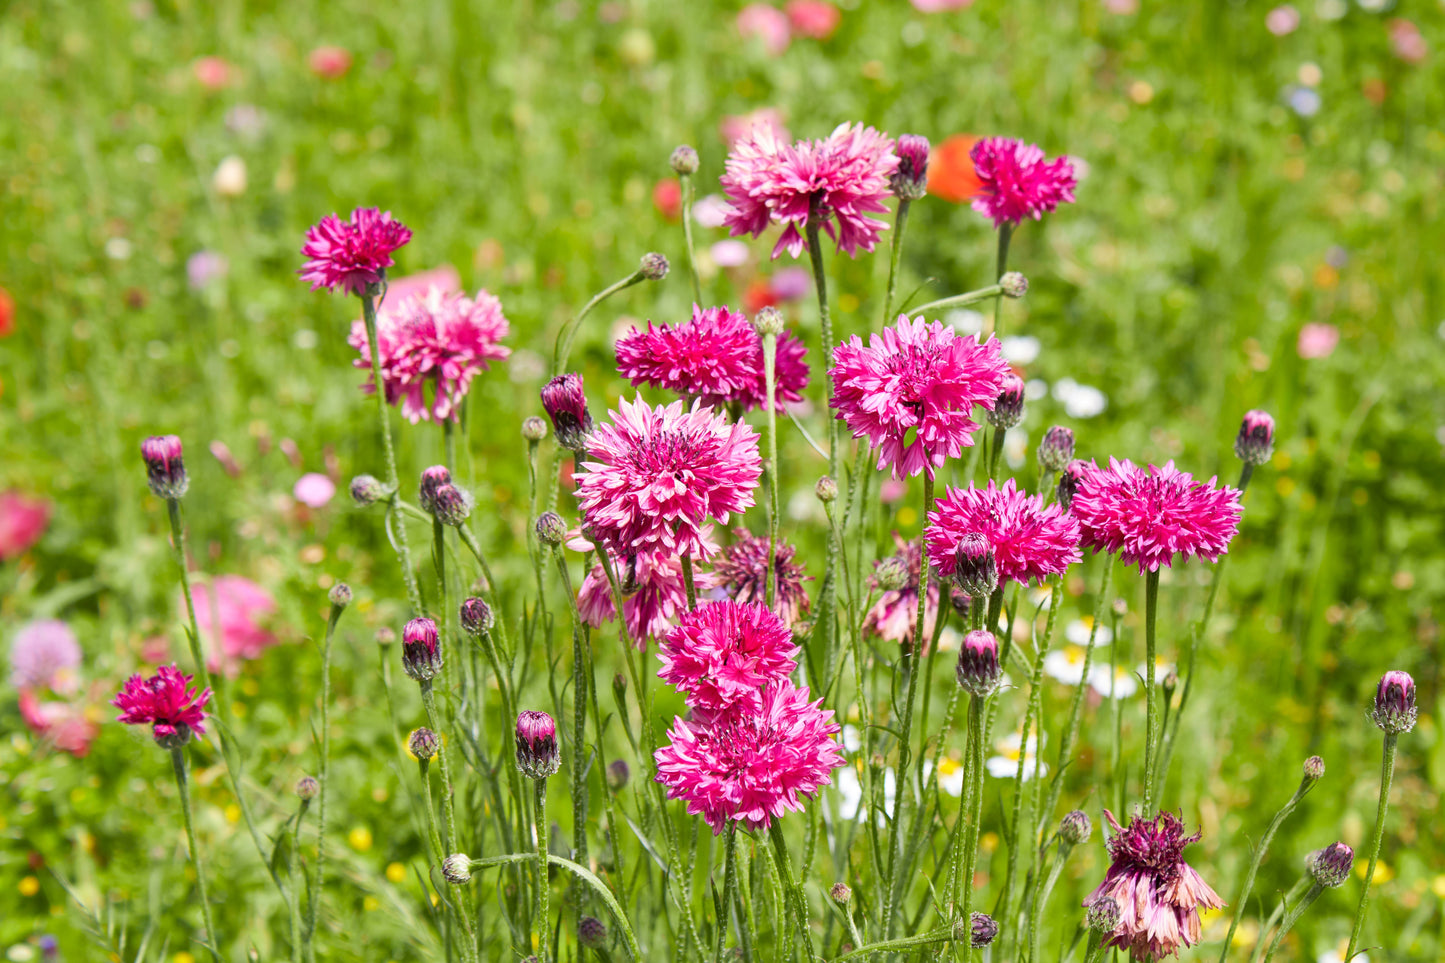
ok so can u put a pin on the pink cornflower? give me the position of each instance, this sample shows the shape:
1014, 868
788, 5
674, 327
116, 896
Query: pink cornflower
435, 341
67, 726
752, 767
660, 473
1159, 895
735, 127
165, 702
1317, 340
352, 254
1016, 182
231, 619
721, 655
654, 594
813, 18
911, 392
768, 24
842, 179
895, 615
1150, 515
743, 569
1030, 540
45, 655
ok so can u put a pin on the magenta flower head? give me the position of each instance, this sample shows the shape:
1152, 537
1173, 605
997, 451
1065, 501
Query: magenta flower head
1057, 448
165, 702
1030, 540
895, 615
978, 671
721, 655
1255, 443
752, 767
912, 390
840, 180
421, 650
538, 755
743, 567
1159, 895
1331, 866
432, 345
165, 472
1395, 709
566, 405
1016, 182
1151, 515
909, 179
982, 930
659, 474
352, 255
1008, 407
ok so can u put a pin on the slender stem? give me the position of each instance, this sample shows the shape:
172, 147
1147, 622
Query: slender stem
974, 800
1041, 899
820, 283
899, 223
178, 762
563, 346
178, 552
1151, 610
449, 436
688, 583
314, 896
293, 904
1295, 892
794, 889
1293, 917
995, 449
1005, 234
770, 357
580, 697
439, 852
685, 183
1387, 773
541, 924
428, 700
958, 300
730, 884
908, 942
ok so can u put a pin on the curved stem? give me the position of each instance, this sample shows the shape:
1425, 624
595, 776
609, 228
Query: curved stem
896, 249
178, 762
1151, 611
1387, 772
563, 346
685, 183
959, 300
908, 942
1293, 917
314, 896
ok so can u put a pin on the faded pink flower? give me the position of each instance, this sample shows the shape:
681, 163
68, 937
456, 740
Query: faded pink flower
314, 489
735, 127
721, 655
66, 725
1282, 20
165, 702
213, 73
433, 344
911, 392
767, 24
940, 6
654, 593
1030, 540
45, 655
842, 179
329, 63
743, 568
1317, 340
895, 615
22, 522
230, 610
351, 255
813, 18
1016, 182
1150, 515
659, 474
1406, 41
752, 767
1159, 895
444, 277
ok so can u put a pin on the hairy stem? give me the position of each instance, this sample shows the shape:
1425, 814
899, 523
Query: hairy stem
1387, 773
178, 763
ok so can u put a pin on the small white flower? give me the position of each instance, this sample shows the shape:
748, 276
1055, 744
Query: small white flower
730, 253
852, 738
850, 788
1006, 765
230, 177
1124, 684
965, 321
1066, 664
1020, 349
1077, 632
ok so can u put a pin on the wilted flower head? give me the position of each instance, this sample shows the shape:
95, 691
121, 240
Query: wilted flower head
165, 702
1150, 515
352, 255
45, 655
1016, 182
165, 471
1255, 443
433, 343
978, 671
1158, 894
895, 615
421, 652
752, 766
566, 405
1030, 540
1395, 709
911, 392
722, 654
743, 567
841, 180
910, 178
537, 753
659, 474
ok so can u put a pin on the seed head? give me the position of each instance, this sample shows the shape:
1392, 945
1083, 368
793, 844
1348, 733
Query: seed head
1057, 448
457, 868
306, 788
1014, 284
340, 595
654, 266
165, 471
534, 428
423, 743
1331, 866
537, 754
1395, 709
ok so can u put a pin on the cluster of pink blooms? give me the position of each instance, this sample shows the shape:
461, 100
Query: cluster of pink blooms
433, 343
715, 357
776, 28
1030, 540
353, 254
1017, 182
45, 660
231, 613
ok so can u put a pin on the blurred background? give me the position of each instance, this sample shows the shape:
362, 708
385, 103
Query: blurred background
1258, 225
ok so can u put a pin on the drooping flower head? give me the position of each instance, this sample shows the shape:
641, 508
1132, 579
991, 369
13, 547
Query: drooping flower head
654, 593
165, 702
434, 344
895, 615
45, 655
352, 254
1150, 515
1030, 540
1016, 182
743, 568
566, 404
165, 470
752, 767
722, 654
659, 474
842, 179
912, 390
1159, 895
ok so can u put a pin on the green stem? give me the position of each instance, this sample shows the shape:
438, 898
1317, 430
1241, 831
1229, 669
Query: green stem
293, 904
794, 889
314, 897
580, 697
900, 222
1005, 234
178, 762
541, 924
1295, 892
687, 580
587, 876
770, 356
820, 283
428, 701
730, 885
1289, 921
1151, 610
908, 942
973, 800
1041, 899
1387, 773
958, 300
685, 183
439, 852
563, 346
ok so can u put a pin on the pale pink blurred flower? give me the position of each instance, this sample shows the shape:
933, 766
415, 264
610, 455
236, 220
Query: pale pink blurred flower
729, 253
940, 6
735, 127
445, 278
246, 121
813, 18
314, 489
791, 283
329, 62
22, 522
892, 490
1407, 42
45, 655
204, 268
1282, 20
230, 619
711, 211
1317, 340
222, 453
213, 73
66, 725
1122, 8
767, 24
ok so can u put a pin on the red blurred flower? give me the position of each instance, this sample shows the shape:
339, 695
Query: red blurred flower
66, 725
813, 18
667, 198
329, 62
950, 170
22, 522
213, 73
7, 314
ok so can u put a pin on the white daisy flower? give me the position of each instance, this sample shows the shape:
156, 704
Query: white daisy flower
1006, 765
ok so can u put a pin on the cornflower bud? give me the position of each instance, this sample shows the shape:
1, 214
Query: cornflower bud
421, 652
1314, 768
340, 595
619, 687
566, 405
592, 932
431, 482
1120, 607
1075, 828
551, 529
476, 617
1103, 915
306, 788
617, 775
368, 490
959, 599
975, 568
1169, 683
165, 471
654, 266
909, 179
1057, 448
385, 636
423, 743
982, 930
1014, 284
891, 573
457, 868
978, 671
684, 160
841, 894
537, 754
1069, 480
1255, 443
534, 428
1008, 410
1395, 709
450, 505
826, 489
1331, 866
768, 321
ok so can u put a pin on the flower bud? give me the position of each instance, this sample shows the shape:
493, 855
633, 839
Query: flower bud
978, 671
768, 321
1120, 607
960, 600
592, 932
165, 471
306, 788
1314, 768
421, 652
909, 179
431, 482
457, 868
1008, 409
1103, 915
450, 505
1331, 866
423, 743
1057, 448
826, 489
982, 930
476, 617
841, 894
684, 160
1075, 828
1169, 683
654, 266
1395, 703
551, 529
891, 573
534, 428
617, 775
1069, 481
385, 636
537, 754
1255, 443
368, 490
619, 687
975, 567
171, 735
566, 405
340, 595
1014, 284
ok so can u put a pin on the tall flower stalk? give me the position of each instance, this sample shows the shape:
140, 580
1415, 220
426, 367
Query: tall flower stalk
340, 597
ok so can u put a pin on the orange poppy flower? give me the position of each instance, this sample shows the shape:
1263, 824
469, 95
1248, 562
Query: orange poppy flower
950, 170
